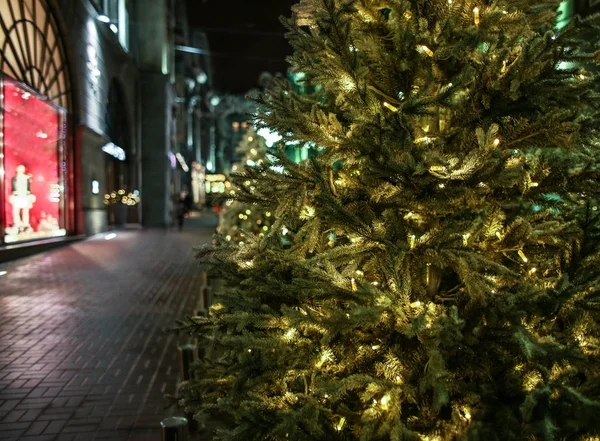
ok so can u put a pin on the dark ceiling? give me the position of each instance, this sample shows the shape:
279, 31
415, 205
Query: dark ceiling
245, 37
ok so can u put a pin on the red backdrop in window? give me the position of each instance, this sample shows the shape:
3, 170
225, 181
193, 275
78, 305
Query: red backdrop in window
32, 136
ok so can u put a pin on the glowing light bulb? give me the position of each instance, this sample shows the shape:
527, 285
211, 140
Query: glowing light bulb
416, 304
308, 211
476, 15
425, 50
496, 142
384, 402
413, 239
421, 139
532, 270
347, 83
324, 357
389, 106
465, 238
353, 282
522, 255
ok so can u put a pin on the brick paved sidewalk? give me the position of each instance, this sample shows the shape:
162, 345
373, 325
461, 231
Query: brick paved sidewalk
83, 352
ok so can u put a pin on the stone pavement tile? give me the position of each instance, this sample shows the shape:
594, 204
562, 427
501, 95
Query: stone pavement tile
52, 391
113, 435
38, 438
38, 392
80, 428
12, 416
12, 394
37, 428
34, 403
8, 430
109, 423
31, 415
55, 427
84, 350
8, 404
56, 414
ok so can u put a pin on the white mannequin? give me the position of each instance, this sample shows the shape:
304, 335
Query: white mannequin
21, 199
198, 174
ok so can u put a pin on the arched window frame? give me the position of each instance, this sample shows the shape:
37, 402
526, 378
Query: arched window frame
31, 49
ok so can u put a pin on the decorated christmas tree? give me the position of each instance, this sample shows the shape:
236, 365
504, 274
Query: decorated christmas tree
240, 218
433, 272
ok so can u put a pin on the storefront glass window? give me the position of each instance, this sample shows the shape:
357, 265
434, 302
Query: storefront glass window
33, 140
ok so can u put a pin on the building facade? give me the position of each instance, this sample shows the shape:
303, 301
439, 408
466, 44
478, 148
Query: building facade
86, 116
197, 104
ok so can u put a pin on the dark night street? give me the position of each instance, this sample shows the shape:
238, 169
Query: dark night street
84, 352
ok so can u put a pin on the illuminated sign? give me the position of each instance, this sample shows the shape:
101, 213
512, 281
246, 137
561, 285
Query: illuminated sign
182, 162
114, 150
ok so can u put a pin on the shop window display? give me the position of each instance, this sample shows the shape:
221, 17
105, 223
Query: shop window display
33, 147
